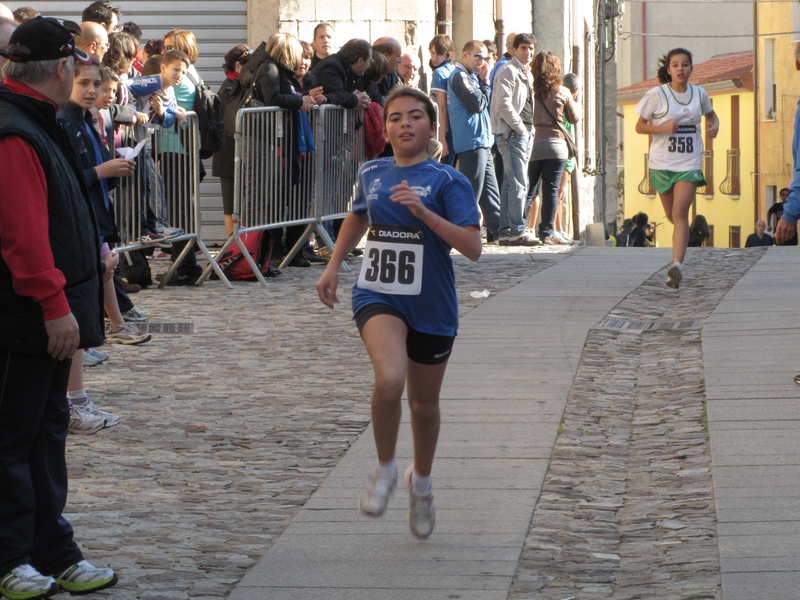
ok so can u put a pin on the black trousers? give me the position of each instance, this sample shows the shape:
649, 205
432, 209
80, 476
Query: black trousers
34, 416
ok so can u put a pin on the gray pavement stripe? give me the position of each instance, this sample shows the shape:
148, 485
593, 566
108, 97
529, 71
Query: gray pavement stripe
627, 507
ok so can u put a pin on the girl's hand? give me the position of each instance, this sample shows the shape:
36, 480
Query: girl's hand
668, 127
326, 286
404, 194
111, 261
116, 167
140, 118
712, 128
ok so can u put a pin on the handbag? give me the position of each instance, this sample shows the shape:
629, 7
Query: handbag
572, 148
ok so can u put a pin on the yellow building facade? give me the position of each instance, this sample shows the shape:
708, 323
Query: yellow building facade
776, 94
729, 200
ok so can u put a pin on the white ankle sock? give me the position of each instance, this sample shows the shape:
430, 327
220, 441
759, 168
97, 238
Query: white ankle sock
389, 468
422, 485
78, 397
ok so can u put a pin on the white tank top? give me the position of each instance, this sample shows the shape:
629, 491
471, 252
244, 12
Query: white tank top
681, 151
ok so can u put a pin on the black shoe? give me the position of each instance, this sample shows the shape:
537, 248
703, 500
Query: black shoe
178, 279
312, 257
299, 261
357, 252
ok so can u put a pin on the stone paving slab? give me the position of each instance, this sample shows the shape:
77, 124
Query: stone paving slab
756, 459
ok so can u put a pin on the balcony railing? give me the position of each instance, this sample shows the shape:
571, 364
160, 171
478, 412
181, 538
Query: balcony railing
645, 187
731, 185
708, 172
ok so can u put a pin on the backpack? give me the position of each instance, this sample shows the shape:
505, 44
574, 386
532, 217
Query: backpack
209, 118
259, 246
136, 268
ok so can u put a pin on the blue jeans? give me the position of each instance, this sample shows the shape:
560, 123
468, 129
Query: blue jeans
549, 172
478, 167
515, 150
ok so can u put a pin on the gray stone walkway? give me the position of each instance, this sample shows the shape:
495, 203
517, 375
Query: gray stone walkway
751, 344
603, 437
502, 402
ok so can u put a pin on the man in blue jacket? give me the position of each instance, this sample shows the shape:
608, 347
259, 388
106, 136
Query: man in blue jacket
468, 111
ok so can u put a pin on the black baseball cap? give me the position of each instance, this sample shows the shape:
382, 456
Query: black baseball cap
45, 38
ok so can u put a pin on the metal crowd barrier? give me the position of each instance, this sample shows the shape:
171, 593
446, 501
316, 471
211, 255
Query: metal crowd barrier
162, 190
273, 190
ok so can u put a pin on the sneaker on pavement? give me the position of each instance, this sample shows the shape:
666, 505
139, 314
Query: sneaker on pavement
131, 288
90, 360
160, 255
84, 578
675, 275
552, 240
136, 316
26, 583
169, 231
91, 408
156, 239
101, 356
421, 512
82, 423
375, 499
128, 335
325, 252
524, 239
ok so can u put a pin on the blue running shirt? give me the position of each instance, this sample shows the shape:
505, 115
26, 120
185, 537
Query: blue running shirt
446, 192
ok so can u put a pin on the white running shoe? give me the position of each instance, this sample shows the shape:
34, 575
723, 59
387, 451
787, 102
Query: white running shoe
421, 512
26, 583
675, 275
85, 578
92, 409
83, 423
375, 499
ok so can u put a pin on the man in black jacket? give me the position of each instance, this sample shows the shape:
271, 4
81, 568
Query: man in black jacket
339, 72
50, 305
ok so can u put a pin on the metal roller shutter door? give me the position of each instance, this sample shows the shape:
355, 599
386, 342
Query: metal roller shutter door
218, 27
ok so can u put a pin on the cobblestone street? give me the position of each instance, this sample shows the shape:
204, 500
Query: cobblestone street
226, 432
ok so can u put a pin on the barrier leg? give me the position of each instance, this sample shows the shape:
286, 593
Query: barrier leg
177, 263
213, 264
299, 244
328, 241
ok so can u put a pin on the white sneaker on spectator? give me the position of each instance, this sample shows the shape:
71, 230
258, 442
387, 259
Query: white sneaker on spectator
91, 408
127, 334
26, 583
135, 315
82, 423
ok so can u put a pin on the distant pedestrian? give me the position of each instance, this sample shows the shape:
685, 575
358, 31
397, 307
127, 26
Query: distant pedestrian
672, 113
638, 235
760, 237
622, 236
699, 232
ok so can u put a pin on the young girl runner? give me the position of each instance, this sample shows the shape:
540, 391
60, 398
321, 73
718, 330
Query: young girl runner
405, 299
672, 114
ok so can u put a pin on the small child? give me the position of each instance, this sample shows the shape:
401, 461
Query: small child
100, 172
161, 104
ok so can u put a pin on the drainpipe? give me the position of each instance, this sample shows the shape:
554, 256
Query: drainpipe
444, 17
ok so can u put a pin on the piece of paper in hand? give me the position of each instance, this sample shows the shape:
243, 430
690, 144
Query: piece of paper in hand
131, 153
483, 294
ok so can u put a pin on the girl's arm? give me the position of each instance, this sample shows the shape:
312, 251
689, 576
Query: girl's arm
712, 124
644, 126
352, 231
466, 240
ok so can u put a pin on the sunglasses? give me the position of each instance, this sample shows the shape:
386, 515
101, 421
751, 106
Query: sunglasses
479, 56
